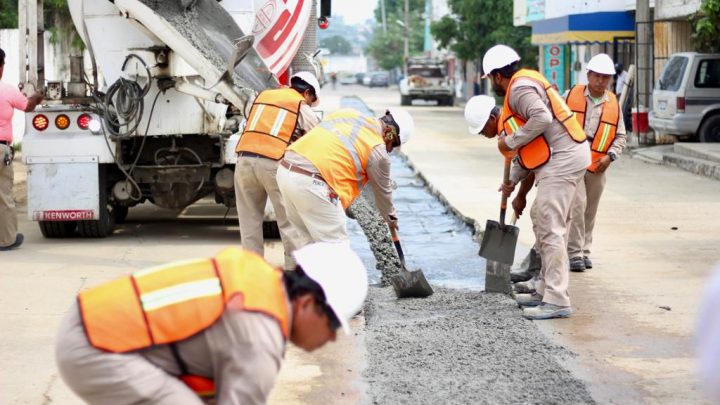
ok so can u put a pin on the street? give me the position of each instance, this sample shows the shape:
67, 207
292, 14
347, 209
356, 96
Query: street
629, 341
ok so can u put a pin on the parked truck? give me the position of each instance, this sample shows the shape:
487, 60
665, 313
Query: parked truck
161, 121
427, 79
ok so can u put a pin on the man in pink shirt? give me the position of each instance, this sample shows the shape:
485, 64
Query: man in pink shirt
10, 99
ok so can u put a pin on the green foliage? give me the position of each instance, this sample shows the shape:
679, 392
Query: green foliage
387, 47
477, 25
706, 27
8, 13
337, 45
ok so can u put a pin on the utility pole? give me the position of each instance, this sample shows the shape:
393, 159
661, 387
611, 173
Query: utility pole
644, 63
406, 49
382, 15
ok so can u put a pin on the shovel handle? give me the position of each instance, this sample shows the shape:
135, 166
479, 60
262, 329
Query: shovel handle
503, 200
398, 247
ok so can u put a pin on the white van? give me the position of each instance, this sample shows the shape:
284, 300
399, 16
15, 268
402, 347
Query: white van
686, 99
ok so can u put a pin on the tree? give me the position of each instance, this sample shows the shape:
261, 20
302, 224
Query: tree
388, 47
706, 27
477, 25
8, 14
337, 44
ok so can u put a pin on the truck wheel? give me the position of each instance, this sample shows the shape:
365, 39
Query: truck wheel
57, 229
405, 100
119, 213
450, 101
98, 228
710, 129
271, 230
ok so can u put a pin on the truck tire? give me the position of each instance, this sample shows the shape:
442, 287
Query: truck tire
120, 213
450, 101
710, 129
271, 230
405, 100
57, 229
99, 228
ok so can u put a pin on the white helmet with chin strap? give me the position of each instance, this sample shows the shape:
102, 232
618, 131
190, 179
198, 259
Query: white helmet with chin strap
498, 57
601, 64
341, 275
405, 122
310, 79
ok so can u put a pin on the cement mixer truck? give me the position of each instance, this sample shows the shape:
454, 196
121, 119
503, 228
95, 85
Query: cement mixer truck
156, 113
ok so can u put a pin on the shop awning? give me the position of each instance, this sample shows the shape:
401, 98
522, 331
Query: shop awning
584, 28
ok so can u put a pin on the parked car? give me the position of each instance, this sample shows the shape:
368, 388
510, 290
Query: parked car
359, 77
347, 79
379, 79
686, 98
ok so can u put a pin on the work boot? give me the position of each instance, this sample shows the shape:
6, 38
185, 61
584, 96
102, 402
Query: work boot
529, 268
525, 287
546, 311
577, 264
19, 238
528, 300
588, 262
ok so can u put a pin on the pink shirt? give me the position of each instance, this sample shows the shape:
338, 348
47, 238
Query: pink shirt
10, 98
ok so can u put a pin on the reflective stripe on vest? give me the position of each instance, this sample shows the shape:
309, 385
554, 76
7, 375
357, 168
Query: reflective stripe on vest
537, 152
170, 303
607, 127
273, 119
339, 148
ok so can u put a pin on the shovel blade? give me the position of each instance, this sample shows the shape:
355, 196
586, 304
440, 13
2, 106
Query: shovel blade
498, 243
411, 284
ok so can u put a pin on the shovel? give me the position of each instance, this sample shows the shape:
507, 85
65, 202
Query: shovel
408, 283
499, 240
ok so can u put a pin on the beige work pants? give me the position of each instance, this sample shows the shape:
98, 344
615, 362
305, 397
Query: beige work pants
583, 214
8, 217
313, 214
102, 378
551, 208
254, 183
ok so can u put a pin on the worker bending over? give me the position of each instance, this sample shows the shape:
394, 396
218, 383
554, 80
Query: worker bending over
277, 118
536, 124
324, 172
598, 111
210, 328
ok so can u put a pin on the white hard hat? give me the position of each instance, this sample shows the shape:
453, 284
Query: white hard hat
310, 79
340, 273
497, 57
602, 64
405, 122
477, 112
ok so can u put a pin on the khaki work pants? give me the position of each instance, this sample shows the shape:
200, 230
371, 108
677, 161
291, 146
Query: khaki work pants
8, 217
551, 210
584, 210
254, 183
102, 378
314, 215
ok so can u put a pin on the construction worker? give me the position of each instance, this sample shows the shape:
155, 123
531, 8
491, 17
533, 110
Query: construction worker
324, 172
598, 111
211, 328
277, 118
534, 124
11, 99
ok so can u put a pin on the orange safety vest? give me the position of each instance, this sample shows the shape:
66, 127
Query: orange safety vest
339, 147
537, 152
272, 121
170, 303
609, 120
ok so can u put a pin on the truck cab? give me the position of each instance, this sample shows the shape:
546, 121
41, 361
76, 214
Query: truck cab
427, 79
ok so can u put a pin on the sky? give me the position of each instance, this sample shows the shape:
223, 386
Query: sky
354, 11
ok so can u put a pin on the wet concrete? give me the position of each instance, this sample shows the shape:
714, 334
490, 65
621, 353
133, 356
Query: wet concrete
459, 345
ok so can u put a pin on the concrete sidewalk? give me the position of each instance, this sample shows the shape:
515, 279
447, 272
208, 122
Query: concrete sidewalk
656, 242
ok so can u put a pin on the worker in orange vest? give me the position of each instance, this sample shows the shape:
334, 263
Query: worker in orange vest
598, 111
537, 125
209, 328
277, 118
324, 172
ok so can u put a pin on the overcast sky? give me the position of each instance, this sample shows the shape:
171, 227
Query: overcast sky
354, 11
